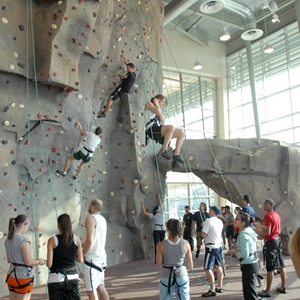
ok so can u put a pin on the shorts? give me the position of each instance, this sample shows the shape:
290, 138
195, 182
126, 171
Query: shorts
230, 232
80, 156
116, 94
14, 283
273, 254
212, 257
154, 133
93, 278
69, 290
199, 239
181, 287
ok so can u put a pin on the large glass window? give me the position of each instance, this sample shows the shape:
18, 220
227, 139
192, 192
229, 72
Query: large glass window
277, 87
191, 107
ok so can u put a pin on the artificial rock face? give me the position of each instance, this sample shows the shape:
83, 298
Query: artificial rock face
260, 168
58, 65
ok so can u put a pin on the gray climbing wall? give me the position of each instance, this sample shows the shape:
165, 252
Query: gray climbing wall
58, 65
260, 168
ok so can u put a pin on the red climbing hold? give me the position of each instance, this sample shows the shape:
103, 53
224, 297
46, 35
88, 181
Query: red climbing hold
55, 149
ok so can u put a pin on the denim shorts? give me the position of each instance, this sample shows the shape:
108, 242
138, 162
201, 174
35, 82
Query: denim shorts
181, 288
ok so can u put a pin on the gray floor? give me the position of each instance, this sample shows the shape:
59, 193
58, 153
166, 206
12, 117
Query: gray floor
139, 280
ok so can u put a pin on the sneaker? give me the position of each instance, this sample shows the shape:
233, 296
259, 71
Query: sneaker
166, 154
75, 177
264, 294
281, 290
197, 253
210, 293
219, 290
102, 115
178, 158
62, 173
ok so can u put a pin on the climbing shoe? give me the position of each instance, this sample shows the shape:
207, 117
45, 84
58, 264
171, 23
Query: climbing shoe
75, 177
178, 158
210, 293
102, 115
166, 154
62, 173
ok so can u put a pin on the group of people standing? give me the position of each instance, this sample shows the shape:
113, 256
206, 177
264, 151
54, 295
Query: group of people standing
171, 252
63, 251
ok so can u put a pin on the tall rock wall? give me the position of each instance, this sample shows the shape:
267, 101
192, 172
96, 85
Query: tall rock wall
260, 168
58, 65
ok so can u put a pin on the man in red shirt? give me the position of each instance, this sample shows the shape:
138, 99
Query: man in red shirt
272, 248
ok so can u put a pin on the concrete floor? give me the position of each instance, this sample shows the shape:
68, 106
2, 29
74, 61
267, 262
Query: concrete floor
139, 280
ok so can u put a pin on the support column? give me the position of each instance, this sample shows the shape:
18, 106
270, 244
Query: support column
253, 90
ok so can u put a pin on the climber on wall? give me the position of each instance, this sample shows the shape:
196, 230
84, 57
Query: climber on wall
86, 153
127, 80
163, 133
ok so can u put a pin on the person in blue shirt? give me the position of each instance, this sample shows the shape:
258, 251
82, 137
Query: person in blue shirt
246, 253
247, 208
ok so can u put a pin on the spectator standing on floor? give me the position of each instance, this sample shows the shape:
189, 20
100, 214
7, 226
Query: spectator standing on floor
269, 231
212, 234
229, 226
221, 216
199, 219
294, 248
172, 253
187, 229
63, 250
20, 277
94, 252
157, 216
247, 254
247, 207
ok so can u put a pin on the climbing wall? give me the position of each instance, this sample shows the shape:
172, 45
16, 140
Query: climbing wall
58, 65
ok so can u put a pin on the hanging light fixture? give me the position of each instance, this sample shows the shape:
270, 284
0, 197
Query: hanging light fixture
275, 18
197, 65
268, 48
225, 35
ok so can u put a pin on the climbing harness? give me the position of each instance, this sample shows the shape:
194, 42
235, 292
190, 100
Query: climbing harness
172, 279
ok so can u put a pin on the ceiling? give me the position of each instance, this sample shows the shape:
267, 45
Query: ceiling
245, 20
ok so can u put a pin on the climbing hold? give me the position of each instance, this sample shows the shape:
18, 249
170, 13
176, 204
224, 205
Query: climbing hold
42, 170
79, 96
66, 18
21, 105
112, 194
1, 235
146, 236
55, 149
59, 2
11, 67
191, 158
135, 181
16, 55
6, 123
4, 20
61, 54
13, 105
10, 204
42, 72
53, 26
21, 183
